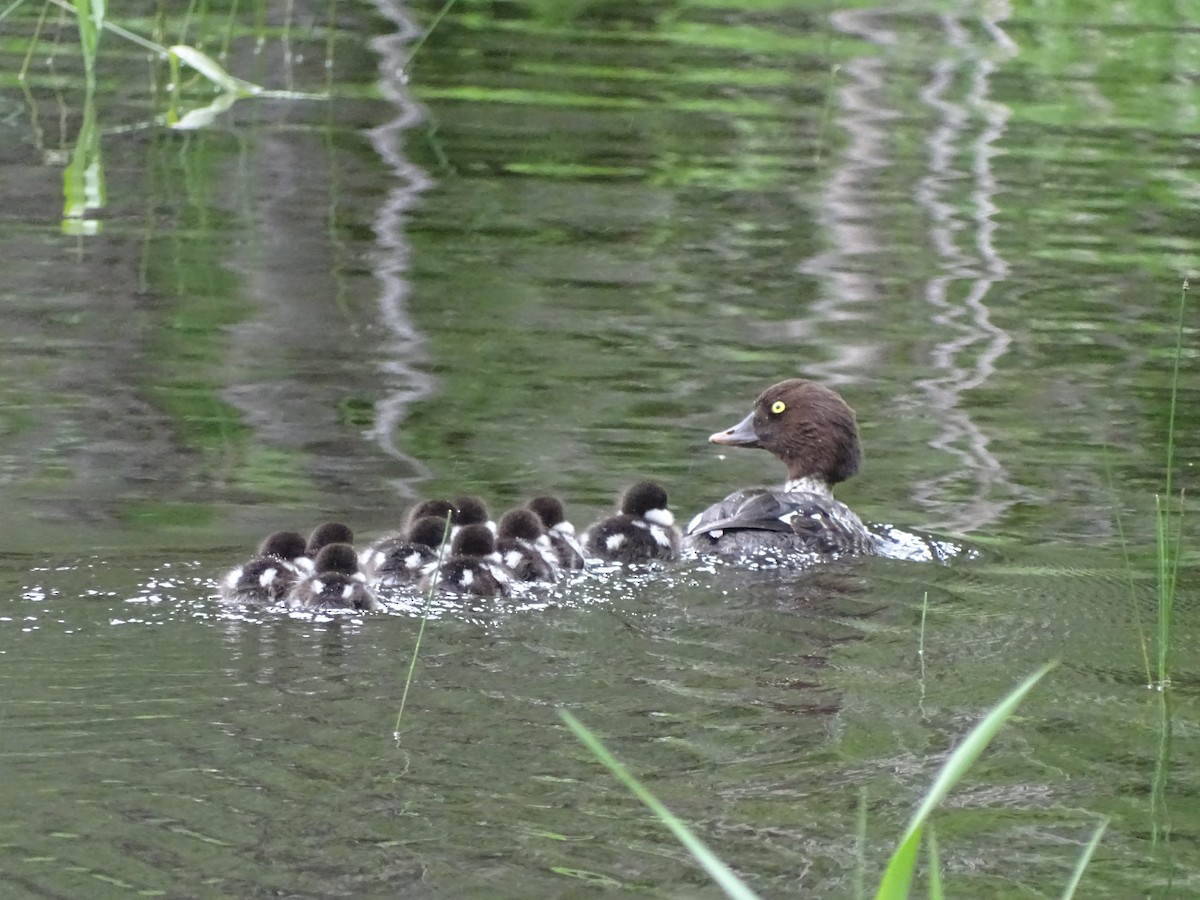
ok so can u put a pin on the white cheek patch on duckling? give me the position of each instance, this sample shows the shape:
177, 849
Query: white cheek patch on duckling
347, 592
564, 528
304, 564
659, 517
412, 560
467, 578
513, 558
267, 578
614, 541
318, 586
660, 536
232, 579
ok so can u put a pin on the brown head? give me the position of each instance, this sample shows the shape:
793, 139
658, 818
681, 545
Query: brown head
807, 425
328, 533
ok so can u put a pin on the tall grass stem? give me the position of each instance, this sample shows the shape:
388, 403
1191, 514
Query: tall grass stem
412, 663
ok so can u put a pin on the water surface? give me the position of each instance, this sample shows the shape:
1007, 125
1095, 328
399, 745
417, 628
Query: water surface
556, 251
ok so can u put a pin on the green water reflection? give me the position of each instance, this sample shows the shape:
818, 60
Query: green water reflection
555, 251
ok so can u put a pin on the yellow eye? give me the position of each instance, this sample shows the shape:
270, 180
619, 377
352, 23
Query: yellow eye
778, 406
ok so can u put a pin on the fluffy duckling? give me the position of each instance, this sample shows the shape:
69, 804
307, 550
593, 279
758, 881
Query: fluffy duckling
269, 575
400, 559
336, 584
473, 566
812, 431
560, 532
643, 528
525, 548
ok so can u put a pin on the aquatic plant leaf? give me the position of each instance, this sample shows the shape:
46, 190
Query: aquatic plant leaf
205, 115
210, 69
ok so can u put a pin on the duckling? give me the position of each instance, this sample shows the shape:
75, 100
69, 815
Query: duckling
811, 430
400, 559
269, 575
336, 584
473, 566
560, 532
525, 548
643, 528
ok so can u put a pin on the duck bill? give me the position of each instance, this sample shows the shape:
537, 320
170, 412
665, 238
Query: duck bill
740, 435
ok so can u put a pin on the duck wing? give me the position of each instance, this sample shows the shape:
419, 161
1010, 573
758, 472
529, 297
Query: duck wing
756, 509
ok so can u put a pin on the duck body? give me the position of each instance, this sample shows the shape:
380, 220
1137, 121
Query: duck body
778, 522
812, 430
643, 529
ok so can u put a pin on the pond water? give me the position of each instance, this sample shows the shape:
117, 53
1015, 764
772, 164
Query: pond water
554, 251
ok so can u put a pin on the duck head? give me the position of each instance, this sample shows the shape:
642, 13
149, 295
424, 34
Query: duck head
809, 427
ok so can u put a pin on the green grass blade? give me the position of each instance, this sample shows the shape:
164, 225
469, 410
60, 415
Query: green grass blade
900, 866
1084, 858
720, 873
898, 876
